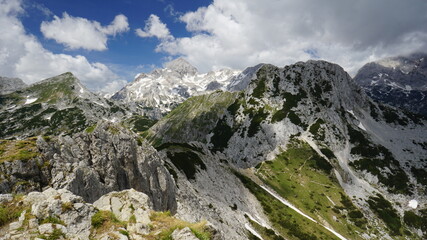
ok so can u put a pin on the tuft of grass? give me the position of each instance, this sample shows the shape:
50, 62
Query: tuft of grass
90, 129
105, 220
11, 150
56, 234
51, 219
67, 206
163, 225
10, 211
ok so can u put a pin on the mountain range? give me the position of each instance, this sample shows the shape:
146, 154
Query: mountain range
293, 152
398, 81
160, 91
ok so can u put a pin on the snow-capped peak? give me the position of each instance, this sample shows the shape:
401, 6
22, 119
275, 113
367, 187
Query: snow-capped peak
165, 88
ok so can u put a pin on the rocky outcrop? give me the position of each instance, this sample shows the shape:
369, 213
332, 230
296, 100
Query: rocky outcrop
52, 212
23, 176
110, 158
8, 85
183, 234
90, 165
59, 214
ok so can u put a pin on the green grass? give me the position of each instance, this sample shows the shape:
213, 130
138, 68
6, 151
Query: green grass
286, 221
266, 234
59, 87
10, 211
90, 129
163, 225
198, 114
51, 219
11, 150
105, 219
305, 179
138, 123
56, 234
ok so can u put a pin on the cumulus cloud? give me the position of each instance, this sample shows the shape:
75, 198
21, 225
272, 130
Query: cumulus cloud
242, 33
77, 32
22, 55
154, 27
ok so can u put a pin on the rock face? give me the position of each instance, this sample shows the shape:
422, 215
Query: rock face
126, 204
109, 159
8, 85
162, 90
398, 81
93, 164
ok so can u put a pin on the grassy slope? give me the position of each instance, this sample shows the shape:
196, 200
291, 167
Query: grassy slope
284, 220
197, 112
302, 177
18, 150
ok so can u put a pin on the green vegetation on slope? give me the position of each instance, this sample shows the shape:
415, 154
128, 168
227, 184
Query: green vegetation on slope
286, 221
11, 150
385, 211
196, 115
378, 161
304, 178
10, 211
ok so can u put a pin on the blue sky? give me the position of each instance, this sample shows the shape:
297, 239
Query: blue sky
127, 54
106, 42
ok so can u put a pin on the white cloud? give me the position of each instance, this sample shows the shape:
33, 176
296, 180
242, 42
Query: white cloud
22, 55
77, 32
154, 27
242, 33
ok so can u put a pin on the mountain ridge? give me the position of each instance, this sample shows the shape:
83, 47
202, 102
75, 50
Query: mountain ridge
304, 135
398, 81
160, 91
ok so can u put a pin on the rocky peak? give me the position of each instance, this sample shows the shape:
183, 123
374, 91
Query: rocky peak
242, 80
405, 72
181, 66
8, 85
398, 81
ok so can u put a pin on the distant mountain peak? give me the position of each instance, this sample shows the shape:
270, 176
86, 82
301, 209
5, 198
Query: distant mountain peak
181, 66
8, 85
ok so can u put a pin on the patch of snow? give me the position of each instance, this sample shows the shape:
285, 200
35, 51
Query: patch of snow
250, 229
30, 100
287, 203
330, 200
413, 204
351, 112
259, 222
11, 107
408, 88
361, 126
300, 212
